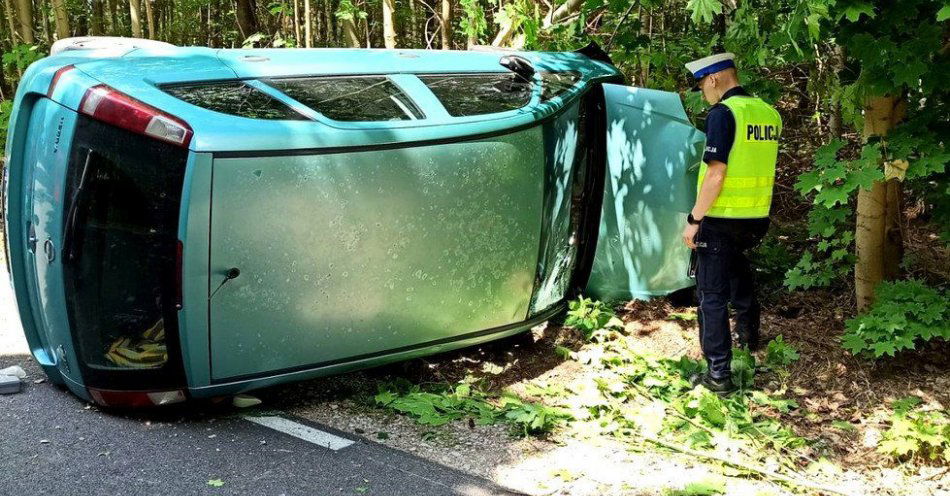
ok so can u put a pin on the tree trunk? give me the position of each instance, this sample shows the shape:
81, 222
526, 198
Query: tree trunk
877, 237
11, 23
151, 19
96, 24
61, 17
646, 29
25, 11
350, 33
563, 12
134, 18
413, 23
297, 32
113, 17
307, 24
389, 23
246, 20
834, 113
446, 18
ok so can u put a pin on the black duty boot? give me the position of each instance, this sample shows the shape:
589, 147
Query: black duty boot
721, 386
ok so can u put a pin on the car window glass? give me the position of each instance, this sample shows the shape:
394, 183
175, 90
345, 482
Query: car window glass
234, 98
555, 83
475, 94
361, 98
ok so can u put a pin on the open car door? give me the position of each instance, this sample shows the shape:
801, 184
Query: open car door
653, 156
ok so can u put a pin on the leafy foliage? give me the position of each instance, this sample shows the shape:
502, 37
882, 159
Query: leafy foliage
438, 405
916, 433
6, 108
587, 315
473, 23
21, 56
779, 354
904, 313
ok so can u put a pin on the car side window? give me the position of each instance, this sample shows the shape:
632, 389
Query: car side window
234, 98
553, 84
354, 98
476, 94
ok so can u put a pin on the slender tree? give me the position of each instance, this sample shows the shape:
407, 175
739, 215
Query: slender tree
150, 16
25, 11
61, 18
446, 19
134, 18
389, 23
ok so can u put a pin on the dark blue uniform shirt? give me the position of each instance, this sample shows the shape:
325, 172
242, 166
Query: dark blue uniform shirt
721, 129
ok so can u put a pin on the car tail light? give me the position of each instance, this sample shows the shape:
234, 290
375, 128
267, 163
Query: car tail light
136, 399
179, 266
56, 76
108, 105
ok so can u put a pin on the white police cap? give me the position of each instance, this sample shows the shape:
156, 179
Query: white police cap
710, 65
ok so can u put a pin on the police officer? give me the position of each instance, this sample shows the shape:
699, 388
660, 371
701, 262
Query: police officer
731, 214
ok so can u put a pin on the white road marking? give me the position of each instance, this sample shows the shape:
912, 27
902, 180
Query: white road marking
301, 431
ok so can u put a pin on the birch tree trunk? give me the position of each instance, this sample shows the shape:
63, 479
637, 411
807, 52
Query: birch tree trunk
297, 32
134, 18
877, 238
308, 31
389, 23
25, 12
563, 12
446, 19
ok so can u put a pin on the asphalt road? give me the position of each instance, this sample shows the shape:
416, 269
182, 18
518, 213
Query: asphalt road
52, 443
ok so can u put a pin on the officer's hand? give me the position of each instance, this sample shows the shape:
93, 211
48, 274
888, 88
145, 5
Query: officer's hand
689, 234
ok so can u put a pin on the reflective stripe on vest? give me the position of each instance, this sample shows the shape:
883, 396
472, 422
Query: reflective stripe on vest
750, 172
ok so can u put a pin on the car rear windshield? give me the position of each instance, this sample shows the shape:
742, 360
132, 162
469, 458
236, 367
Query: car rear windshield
234, 98
476, 94
121, 218
358, 98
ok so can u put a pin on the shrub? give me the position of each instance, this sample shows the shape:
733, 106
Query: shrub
587, 315
904, 313
915, 433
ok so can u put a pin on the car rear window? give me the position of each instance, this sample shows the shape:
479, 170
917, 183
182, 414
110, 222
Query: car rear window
234, 98
359, 98
476, 94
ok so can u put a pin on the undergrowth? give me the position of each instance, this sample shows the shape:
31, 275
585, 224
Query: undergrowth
916, 433
904, 314
439, 404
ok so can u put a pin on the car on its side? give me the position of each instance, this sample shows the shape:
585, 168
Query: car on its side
192, 222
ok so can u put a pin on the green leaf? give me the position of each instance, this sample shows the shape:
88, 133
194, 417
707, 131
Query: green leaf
905, 404
898, 447
711, 409
216, 483
703, 11
944, 13
855, 9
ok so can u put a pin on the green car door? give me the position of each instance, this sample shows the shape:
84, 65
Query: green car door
653, 155
346, 255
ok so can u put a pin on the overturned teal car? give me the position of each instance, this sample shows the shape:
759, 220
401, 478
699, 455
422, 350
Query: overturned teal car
189, 222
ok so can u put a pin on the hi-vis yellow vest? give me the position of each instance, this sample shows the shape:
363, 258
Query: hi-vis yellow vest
750, 172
